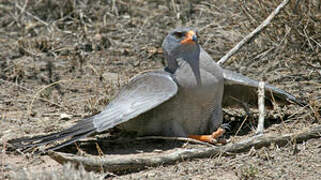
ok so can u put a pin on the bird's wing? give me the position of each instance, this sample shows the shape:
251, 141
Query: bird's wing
142, 93
240, 89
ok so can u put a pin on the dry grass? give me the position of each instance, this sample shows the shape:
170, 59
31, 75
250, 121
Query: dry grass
98, 45
66, 172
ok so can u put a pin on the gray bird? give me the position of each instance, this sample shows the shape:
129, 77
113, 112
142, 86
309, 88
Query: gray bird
185, 99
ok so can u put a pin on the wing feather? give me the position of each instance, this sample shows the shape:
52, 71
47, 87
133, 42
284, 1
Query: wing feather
239, 88
142, 93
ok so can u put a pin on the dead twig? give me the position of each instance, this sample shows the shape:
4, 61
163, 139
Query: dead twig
30, 90
260, 126
239, 129
38, 92
22, 9
190, 140
133, 162
257, 30
128, 140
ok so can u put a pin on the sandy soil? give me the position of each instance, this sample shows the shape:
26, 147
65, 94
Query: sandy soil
71, 57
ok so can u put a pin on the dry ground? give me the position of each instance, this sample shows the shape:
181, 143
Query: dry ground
71, 57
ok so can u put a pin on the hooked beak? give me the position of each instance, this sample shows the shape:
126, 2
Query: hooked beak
190, 38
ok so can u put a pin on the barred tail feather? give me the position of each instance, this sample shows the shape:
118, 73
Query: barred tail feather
80, 130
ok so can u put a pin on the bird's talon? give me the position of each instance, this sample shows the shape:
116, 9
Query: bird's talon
222, 140
213, 141
226, 126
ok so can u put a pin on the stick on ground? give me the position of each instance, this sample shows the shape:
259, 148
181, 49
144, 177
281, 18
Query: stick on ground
247, 38
134, 162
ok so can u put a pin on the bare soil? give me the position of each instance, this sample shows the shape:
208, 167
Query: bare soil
61, 58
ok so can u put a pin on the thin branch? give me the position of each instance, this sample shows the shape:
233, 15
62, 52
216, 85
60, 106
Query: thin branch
27, 89
38, 92
122, 163
247, 38
260, 126
190, 140
31, 15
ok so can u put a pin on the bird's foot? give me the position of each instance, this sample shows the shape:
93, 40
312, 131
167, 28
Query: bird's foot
226, 126
214, 138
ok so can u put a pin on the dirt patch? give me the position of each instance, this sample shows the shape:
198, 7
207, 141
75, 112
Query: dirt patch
89, 49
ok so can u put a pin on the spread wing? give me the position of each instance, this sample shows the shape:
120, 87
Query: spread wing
141, 94
241, 89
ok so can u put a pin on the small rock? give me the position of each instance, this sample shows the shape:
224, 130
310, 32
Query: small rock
64, 116
110, 76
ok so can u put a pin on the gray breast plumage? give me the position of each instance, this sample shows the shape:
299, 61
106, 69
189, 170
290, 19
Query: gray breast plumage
191, 110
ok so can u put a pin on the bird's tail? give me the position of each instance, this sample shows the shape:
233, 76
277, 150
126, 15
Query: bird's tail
80, 130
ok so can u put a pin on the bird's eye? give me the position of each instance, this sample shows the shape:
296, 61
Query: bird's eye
179, 34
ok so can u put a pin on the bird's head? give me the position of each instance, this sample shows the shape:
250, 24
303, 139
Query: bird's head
182, 44
180, 40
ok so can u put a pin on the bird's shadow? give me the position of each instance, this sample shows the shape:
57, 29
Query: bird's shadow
242, 125
121, 146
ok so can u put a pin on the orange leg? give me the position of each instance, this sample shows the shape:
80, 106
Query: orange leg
209, 138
